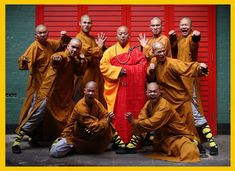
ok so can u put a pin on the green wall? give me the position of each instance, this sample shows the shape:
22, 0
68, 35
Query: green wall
20, 25
223, 63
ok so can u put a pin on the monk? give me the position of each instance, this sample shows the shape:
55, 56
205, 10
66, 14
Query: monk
168, 72
124, 71
156, 28
172, 140
185, 48
92, 50
53, 102
88, 129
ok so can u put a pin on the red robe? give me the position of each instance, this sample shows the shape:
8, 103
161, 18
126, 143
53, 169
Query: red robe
131, 91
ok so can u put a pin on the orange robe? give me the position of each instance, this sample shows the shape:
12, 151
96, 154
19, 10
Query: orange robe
168, 76
38, 62
126, 93
186, 50
94, 118
92, 72
147, 50
58, 88
172, 140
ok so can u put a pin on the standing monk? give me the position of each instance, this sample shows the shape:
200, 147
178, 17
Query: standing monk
185, 48
88, 130
36, 59
171, 137
92, 50
156, 28
168, 73
53, 102
124, 71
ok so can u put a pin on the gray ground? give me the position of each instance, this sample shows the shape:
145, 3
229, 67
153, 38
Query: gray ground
39, 157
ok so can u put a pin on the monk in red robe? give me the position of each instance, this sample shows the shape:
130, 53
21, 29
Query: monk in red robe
124, 71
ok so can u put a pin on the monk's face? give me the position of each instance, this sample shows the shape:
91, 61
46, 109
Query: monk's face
160, 52
152, 92
185, 27
90, 92
74, 47
156, 26
85, 24
122, 36
41, 34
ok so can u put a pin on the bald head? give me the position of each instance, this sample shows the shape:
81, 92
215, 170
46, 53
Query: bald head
40, 27
90, 91
85, 23
153, 92
41, 34
152, 86
159, 50
85, 17
122, 29
74, 47
187, 20
158, 45
156, 26
75, 41
91, 84
156, 19
122, 35
185, 26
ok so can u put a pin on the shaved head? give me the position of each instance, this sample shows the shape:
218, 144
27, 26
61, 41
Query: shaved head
75, 40
158, 45
122, 35
90, 91
85, 16
186, 19
156, 19
122, 28
153, 92
92, 84
41, 27
152, 85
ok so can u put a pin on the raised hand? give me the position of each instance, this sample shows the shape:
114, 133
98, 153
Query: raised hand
101, 39
142, 39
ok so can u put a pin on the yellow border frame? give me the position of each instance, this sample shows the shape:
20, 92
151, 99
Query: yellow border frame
3, 3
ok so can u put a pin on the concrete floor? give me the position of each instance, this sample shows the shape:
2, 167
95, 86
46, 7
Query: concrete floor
39, 157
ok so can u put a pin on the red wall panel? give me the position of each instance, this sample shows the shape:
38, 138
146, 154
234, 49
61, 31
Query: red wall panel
106, 18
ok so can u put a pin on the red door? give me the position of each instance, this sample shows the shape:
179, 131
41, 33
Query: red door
106, 18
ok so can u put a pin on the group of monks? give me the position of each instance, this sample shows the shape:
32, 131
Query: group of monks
82, 96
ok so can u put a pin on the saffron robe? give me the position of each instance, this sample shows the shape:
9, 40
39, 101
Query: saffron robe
172, 140
185, 49
58, 89
168, 76
38, 63
147, 49
92, 72
126, 93
95, 119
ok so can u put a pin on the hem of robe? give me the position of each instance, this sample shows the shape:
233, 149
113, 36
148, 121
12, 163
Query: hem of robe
159, 156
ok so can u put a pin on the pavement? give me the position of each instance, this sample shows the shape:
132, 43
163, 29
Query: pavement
39, 156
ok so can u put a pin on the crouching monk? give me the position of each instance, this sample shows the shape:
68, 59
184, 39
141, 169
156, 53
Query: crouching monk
172, 140
88, 129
